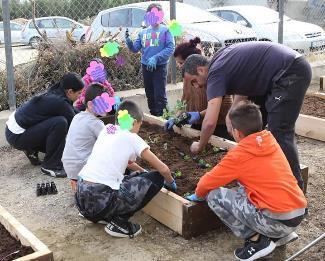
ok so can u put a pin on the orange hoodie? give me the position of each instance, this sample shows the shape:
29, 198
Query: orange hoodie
259, 164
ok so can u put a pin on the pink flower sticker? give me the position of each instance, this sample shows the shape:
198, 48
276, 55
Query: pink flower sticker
120, 60
103, 104
154, 17
97, 72
111, 129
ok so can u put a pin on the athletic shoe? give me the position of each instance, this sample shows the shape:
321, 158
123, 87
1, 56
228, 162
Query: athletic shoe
103, 222
57, 173
122, 229
33, 157
285, 240
254, 250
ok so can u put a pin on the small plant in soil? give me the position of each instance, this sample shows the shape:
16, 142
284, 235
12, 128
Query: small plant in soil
186, 157
203, 164
177, 110
217, 149
186, 194
178, 173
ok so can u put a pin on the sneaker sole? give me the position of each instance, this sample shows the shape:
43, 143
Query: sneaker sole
264, 252
286, 240
113, 234
103, 222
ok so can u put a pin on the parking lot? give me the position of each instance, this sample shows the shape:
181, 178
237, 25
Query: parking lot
21, 55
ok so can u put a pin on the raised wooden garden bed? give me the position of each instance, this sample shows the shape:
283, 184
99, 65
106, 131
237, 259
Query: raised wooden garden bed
311, 121
187, 218
21, 233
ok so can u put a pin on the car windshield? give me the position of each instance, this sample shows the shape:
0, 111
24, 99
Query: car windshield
187, 14
261, 15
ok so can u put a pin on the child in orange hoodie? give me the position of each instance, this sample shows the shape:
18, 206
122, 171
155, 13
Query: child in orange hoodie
268, 206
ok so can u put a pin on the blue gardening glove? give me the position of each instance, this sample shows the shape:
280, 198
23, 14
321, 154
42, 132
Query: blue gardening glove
152, 64
195, 117
171, 186
169, 124
194, 197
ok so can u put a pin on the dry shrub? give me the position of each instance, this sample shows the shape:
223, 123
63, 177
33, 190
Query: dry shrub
54, 60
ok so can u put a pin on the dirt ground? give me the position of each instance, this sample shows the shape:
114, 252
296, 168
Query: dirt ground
55, 221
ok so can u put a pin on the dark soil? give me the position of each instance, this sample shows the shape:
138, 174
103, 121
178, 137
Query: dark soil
313, 106
10, 248
174, 150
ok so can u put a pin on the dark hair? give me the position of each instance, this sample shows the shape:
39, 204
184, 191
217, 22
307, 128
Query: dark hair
184, 50
158, 6
246, 117
133, 109
97, 60
194, 61
69, 80
93, 90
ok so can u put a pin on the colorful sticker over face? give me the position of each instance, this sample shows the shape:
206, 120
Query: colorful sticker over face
120, 60
154, 17
111, 129
103, 104
97, 72
175, 28
109, 49
125, 120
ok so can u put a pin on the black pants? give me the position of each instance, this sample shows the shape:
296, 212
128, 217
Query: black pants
155, 87
100, 202
281, 106
47, 136
220, 131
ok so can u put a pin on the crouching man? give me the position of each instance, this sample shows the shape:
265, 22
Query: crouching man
268, 206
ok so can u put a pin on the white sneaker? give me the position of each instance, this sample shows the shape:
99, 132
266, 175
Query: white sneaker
103, 222
286, 240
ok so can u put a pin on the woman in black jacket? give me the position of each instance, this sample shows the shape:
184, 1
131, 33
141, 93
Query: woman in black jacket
41, 124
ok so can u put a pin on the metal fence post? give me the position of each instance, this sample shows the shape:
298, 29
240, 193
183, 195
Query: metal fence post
281, 13
173, 61
9, 58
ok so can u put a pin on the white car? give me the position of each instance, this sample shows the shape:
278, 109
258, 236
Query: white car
15, 32
300, 36
195, 22
55, 28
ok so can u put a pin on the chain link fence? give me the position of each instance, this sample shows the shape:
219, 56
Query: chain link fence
52, 37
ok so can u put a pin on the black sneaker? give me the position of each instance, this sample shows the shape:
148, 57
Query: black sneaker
122, 229
285, 240
254, 250
33, 157
57, 173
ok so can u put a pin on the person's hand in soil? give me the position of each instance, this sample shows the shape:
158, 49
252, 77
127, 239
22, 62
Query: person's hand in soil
196, 147
171, 186
169, 124
194, 197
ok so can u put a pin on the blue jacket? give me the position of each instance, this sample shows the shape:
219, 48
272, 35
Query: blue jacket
153, 42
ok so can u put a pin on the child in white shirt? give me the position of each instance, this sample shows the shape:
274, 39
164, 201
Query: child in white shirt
103, 192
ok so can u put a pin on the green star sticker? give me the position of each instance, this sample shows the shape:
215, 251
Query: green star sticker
109, 49
175, 28
125, 120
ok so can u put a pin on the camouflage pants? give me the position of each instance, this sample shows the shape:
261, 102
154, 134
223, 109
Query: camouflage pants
241, 216
100, 202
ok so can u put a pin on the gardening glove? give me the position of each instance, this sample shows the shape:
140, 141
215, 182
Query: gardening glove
171, 186
152, 64
169, 124
195, 117
194, 197
127, 38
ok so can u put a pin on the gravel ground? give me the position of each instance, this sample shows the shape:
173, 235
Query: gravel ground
54, 219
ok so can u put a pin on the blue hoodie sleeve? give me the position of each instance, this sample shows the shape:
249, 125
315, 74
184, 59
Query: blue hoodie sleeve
164, 54
134, 46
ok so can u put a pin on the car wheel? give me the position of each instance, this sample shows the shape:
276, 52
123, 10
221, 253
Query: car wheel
83, 39
34, 42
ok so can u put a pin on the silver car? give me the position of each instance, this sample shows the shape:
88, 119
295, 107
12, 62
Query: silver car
213, 31
15, 32
55, 28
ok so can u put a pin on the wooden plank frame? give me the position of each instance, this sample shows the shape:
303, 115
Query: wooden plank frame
20, 232
310, 126
189, 219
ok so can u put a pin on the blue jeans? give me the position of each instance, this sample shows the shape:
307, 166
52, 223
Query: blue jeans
155, 87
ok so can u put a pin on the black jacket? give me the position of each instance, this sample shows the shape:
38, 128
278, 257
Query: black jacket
39, 108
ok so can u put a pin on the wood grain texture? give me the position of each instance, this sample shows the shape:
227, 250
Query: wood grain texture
310, 127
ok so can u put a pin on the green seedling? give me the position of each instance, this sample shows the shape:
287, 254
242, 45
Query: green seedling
203, 164
186, 157
186, 194
217, 150
178, 173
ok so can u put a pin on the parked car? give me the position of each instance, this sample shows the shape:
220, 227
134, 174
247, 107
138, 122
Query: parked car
301, 36
214, 32
15, 32
55, 28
